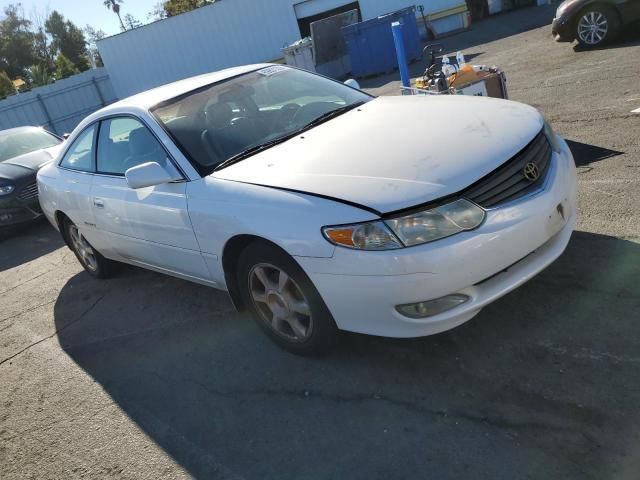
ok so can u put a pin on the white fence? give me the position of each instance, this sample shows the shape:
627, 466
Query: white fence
59, 107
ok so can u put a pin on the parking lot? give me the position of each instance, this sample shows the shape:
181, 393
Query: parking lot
148, 376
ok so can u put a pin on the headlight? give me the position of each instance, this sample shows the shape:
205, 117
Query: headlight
6, 189
440, 222
551, 136
363, 236
409, 230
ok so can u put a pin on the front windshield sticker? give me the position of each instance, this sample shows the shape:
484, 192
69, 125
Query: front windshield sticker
268, 71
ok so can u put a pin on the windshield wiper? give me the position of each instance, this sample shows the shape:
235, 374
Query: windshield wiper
263, 146
252, 151
330, 114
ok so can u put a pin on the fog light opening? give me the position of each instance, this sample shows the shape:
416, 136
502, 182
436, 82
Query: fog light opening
430, 308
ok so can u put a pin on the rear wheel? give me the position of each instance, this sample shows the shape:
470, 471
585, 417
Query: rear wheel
94, 263
596, 26
284, 301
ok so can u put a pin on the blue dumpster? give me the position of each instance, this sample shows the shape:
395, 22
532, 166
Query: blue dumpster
370, 43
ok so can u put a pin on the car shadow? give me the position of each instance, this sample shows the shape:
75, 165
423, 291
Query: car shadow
24, 243
585, 154
543, 376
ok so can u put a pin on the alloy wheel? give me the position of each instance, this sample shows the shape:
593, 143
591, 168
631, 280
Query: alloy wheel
280, 302
593, 28
83, 249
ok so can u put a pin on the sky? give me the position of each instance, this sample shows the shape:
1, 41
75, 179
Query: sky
88, 12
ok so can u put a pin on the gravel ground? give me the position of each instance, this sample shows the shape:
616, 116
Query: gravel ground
146, 376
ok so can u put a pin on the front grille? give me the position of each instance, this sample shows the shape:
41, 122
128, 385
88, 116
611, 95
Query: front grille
508, 182
29, 192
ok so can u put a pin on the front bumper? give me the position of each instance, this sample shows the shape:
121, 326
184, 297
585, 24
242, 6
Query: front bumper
562, 30
14, 213
516, 241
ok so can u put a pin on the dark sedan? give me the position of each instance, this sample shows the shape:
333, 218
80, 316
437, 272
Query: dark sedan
23, 151
593, 22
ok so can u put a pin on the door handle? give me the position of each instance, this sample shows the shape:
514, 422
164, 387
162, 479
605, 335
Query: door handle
98, 203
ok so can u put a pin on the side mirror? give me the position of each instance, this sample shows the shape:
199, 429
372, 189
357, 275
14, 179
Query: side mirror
66, 135
149, 174
352, 83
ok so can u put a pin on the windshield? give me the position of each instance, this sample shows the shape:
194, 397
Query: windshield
22, 142
220, 121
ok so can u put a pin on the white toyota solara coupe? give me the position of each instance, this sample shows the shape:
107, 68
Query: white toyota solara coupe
315, 205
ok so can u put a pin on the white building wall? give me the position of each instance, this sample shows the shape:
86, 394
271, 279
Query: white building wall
224, 34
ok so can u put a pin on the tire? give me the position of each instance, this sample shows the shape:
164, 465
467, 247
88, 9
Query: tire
284, 301
596, 25
91, 260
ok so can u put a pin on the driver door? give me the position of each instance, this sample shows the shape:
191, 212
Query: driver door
149, 226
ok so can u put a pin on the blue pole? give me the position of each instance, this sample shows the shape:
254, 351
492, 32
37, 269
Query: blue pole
396, 27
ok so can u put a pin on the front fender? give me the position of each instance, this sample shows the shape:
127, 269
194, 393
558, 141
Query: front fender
221, 210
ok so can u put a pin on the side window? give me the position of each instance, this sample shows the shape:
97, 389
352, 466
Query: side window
80, 154
124, 143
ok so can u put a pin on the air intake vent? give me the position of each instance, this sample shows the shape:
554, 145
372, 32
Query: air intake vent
29, 192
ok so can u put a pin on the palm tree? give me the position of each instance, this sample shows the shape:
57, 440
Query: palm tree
115, 7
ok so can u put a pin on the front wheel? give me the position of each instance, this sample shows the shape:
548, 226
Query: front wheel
284, 301
596, 26
94, 263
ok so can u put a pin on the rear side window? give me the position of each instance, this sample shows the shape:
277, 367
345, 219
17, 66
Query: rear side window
125, 143
80, 154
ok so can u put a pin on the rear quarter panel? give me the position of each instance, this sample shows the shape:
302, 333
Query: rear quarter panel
66, 191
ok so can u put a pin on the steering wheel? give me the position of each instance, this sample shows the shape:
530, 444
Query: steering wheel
239, 121
287, 113
312, 110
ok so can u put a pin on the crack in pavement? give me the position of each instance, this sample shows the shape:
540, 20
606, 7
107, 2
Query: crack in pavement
25, 282
58, 421
28, 310
588, 354
80, 317
6, 327
497, 421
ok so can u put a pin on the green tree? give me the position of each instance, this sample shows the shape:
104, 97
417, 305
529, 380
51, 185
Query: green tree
16, 43
67, 39
158, 12
44, 52
93, 36
64, 67
130, 22
114, 6
39, 75
172, 8
6, 86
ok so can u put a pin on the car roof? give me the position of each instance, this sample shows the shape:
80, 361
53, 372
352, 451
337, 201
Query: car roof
152, 97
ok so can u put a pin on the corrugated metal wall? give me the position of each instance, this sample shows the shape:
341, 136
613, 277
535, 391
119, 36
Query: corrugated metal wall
59, 107
224, 34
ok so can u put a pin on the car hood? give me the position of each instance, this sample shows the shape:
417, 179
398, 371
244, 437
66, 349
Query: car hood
396, 152
27, 164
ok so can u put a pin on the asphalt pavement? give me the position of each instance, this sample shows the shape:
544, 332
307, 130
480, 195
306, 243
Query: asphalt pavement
147, 376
